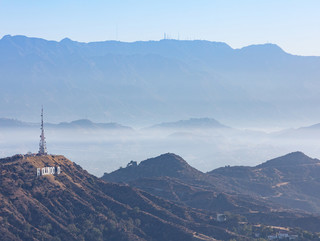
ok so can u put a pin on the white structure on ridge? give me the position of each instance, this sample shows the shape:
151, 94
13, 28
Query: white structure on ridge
42, 144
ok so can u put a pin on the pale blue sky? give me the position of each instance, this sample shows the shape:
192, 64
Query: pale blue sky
293, 25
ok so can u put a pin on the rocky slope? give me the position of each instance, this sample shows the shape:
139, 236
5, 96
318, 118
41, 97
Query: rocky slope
75, 205
262, 194
291, 180
168, 164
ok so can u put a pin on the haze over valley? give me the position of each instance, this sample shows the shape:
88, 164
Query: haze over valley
254, 90
205, 143
159, 120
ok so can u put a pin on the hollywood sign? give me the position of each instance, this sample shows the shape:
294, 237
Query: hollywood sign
48, 171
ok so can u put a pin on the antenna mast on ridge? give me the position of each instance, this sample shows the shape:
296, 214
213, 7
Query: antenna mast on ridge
42, 144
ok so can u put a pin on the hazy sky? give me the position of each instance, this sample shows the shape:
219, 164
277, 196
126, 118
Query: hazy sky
292, 24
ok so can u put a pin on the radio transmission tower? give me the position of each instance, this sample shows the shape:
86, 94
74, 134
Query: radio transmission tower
42, 144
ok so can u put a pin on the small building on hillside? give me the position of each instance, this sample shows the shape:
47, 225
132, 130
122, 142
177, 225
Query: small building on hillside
221, 217
282, 235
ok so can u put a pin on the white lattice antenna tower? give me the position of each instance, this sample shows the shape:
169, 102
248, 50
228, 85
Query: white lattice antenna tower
42, 144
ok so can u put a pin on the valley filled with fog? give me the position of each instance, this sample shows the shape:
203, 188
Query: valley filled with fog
146, 82
101, 150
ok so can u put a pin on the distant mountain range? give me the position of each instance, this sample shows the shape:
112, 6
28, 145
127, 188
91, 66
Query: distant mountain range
156, 81
84, 123
190, 124
77, 124
311, 132
13, 123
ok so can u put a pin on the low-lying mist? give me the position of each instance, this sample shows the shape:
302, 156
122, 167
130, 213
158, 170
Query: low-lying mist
100, 150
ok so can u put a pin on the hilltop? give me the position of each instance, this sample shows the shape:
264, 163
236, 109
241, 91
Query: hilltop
169, 164
293, 159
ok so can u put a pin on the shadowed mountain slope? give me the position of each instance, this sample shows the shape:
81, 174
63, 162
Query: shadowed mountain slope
168, 164
291, 180
294, 159
241, 190
75, 205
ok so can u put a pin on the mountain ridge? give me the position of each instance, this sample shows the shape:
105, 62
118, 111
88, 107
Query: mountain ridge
293, 158
81, 123
179, 79
67, 40
73, 205
289, 181
192, 123
165, 164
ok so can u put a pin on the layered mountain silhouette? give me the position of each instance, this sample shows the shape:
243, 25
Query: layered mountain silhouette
87, 124
191, 124
311, 132
75, 205
288, 184
13, 123
155, 81
77, 124
291, 180
71, 204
